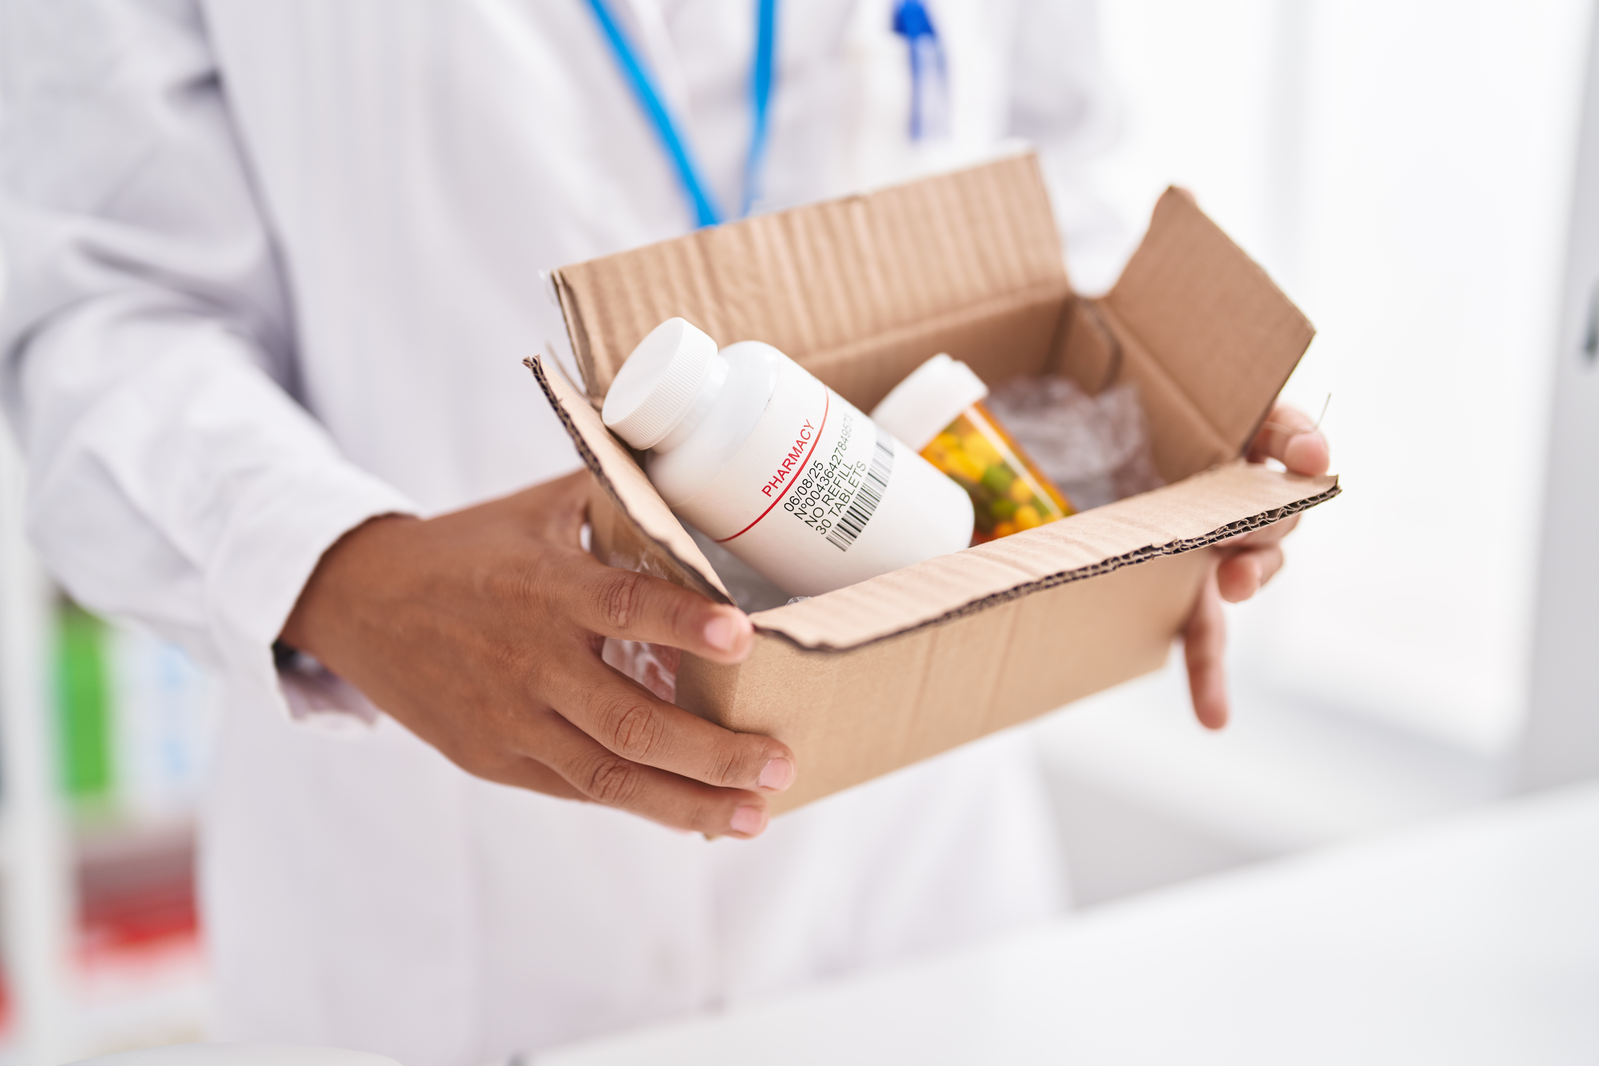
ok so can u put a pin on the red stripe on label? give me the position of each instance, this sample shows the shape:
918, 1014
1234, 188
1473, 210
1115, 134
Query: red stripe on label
797, 471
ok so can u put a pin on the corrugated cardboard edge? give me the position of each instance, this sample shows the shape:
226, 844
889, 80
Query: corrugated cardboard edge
576, 335
690, 575
1065, 577
689, 572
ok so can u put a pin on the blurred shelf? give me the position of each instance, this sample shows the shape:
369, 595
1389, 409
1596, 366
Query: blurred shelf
137, 975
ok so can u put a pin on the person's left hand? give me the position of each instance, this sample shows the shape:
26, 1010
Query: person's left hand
1247, 563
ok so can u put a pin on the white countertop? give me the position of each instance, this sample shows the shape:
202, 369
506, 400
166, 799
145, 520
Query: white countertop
1469, 940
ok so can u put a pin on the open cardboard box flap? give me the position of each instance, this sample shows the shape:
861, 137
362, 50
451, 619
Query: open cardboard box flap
860, 291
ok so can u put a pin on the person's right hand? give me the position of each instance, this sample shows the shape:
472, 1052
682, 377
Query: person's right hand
481, 632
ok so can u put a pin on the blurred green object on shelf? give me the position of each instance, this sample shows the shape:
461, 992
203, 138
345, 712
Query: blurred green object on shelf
83, 705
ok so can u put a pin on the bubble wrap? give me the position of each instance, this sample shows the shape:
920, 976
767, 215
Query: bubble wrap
1094, 448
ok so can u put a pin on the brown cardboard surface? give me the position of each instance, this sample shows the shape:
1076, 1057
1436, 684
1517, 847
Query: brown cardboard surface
1207, 336
860, 291
1202, 510
828, 283
851, 716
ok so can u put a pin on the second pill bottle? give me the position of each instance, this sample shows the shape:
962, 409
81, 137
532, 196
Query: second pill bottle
939, 412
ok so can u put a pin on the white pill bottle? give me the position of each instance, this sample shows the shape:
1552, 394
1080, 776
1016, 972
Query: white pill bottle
776, 467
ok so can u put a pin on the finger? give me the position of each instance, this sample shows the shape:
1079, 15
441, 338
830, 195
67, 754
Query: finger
633, 606
556, 508
1264, 535
1289, 436
1241, 576
634, 723
534, 776
1204, 642
565, 505
607, 778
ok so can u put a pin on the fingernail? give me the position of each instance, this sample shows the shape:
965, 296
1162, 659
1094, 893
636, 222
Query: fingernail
777, 774
721, 632
748, 820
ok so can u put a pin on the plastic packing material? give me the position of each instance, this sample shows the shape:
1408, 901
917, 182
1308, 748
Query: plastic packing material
1094, 448
750, 589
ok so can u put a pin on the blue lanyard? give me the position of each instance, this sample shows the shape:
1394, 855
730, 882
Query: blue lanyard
638, 78
929, 76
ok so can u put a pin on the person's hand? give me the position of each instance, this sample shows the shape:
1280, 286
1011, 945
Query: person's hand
481, 632
1247, 563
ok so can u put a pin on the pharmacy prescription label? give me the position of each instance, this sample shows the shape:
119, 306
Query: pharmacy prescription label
804, 487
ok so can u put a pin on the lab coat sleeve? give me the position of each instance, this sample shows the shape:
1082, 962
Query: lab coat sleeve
146, 351
1064, 102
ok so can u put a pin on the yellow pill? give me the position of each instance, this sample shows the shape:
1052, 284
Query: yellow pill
979, 448
963, 466
1019, 491
1027, 518
1005, 529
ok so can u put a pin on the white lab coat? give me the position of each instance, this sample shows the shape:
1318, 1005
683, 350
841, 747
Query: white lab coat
274, 265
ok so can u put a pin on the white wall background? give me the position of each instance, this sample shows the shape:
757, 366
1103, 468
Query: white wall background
1403, 168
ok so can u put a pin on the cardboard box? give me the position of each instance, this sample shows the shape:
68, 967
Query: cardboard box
860, 291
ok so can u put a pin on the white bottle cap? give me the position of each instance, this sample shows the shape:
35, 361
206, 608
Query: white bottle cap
658, 384
920, 407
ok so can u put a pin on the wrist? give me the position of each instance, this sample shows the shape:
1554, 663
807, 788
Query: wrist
339, 576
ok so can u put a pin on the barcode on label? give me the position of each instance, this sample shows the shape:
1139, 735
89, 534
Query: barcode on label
867, 497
